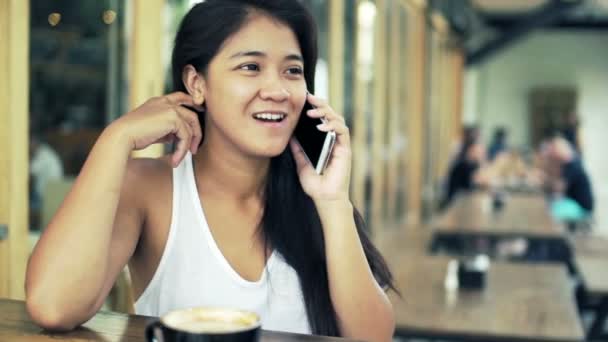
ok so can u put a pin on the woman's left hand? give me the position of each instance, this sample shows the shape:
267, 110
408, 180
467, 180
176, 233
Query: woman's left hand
333, 183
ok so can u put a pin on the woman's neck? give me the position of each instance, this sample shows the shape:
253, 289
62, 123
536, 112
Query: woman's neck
222, 169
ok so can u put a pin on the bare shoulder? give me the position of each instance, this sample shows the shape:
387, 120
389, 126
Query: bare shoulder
148, 167
147, 178
142, 171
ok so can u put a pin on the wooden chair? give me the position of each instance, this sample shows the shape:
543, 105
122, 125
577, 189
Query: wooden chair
120, 298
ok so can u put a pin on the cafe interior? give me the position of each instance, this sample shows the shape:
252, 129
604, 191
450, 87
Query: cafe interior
464, 115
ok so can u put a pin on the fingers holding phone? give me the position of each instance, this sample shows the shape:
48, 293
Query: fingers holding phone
331, 121
321, 149
315, 143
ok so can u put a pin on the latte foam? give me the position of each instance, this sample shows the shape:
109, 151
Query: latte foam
217, 321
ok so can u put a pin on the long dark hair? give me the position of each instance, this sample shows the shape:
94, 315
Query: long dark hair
290, 223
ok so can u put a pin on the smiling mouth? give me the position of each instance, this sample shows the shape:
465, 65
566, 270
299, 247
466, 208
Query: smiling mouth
269, 117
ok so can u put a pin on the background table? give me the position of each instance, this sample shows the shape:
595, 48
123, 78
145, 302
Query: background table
589, 245
471, 225
521, 302
594, 274
523, 215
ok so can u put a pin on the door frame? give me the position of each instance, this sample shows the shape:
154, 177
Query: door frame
14, 144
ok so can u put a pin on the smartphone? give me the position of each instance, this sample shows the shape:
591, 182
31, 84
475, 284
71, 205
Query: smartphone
317, 145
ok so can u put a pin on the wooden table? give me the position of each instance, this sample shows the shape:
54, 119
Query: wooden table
411, 239
589, 245
472, 218
594, 273
521, 302
16, 326
523, 215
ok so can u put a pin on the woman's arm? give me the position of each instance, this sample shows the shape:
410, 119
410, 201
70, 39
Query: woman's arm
79, 255
363, 309
95, 231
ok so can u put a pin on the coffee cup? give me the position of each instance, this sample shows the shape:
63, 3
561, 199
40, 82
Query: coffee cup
205, 325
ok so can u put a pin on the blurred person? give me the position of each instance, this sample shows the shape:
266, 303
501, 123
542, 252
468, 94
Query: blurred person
574, 183
45, 166
545, 170
509, 169
466, 172
570, 132
498, 144
234, 209
470, 134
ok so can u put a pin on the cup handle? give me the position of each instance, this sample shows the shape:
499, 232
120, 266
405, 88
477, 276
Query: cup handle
151, 329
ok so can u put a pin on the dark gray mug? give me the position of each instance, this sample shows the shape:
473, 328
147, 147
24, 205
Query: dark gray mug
205, 325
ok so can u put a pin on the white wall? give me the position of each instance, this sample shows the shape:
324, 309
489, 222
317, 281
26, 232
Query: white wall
569, 58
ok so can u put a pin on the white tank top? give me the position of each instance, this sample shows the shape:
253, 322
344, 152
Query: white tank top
193, 271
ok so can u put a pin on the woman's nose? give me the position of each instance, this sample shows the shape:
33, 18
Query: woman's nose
274, 91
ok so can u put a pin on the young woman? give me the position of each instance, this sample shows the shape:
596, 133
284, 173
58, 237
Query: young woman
236, 216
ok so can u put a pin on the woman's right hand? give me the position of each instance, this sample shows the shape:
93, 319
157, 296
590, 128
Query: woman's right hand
160, 120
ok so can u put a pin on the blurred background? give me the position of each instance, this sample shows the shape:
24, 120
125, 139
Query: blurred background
412, 78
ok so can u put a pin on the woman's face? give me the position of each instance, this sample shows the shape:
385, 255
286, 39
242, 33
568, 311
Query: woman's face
255, 88
476, 153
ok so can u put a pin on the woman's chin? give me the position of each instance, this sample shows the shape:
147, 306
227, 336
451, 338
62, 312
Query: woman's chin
272, 151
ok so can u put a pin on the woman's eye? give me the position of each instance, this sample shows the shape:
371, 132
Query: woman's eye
295, 71
250, 67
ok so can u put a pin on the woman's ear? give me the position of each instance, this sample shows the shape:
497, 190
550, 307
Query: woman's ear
195, 84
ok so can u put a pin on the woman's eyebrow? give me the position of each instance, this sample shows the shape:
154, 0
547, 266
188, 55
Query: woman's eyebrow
294, 57
253, 53
248, 54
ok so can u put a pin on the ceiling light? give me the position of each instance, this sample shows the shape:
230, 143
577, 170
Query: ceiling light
109, 16
54, 18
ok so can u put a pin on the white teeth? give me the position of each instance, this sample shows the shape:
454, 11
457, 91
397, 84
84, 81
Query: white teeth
269, 116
